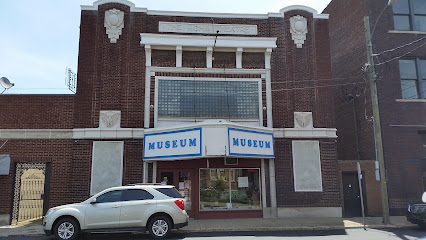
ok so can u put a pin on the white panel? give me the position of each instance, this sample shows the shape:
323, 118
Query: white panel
215, 140
107, 166
307, 166
207, 28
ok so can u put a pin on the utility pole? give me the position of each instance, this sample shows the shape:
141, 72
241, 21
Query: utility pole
376, 121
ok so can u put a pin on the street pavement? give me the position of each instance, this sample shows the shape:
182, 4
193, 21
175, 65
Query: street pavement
228, 226
346, 234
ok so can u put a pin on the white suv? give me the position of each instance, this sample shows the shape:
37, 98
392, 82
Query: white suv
137, 207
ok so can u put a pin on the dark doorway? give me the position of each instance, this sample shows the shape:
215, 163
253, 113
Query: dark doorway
351, 195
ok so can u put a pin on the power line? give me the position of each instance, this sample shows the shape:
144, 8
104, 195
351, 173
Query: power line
402, 46
390, 60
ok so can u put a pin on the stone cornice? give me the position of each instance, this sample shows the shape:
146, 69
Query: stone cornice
133, 8
138, 133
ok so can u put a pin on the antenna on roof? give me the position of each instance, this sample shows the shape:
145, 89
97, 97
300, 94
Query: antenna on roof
70, 80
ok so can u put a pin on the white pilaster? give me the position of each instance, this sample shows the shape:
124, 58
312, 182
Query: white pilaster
268, 53
145, 172
273, 192
239, 58
263, 176
179, 56
154, 172
209, 57
147, 55
147, 109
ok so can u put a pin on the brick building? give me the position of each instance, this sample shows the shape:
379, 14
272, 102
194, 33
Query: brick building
235, 110
398, 39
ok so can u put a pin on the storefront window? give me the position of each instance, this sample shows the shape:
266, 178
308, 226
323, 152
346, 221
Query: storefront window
229, 189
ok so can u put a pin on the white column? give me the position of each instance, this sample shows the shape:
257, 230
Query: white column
147, 55
209, 57
147, 85
239, 58
274, 211
179, 56
268, 53
154, 172
145, 172
263, 176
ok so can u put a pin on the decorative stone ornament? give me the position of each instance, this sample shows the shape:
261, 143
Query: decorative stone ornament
109, 119
303, 120
298, 30
114, 23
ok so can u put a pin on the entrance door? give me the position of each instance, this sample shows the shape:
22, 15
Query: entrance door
31, 183
183, 181
351, 194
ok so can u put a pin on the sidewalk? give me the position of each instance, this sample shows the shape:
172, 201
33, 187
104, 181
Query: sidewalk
251, 224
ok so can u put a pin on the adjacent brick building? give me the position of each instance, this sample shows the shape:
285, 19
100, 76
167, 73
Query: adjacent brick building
235, 110
398, 38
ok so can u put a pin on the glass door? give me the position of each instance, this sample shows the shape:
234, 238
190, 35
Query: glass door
183, 181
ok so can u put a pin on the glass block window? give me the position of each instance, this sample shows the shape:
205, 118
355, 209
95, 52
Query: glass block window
413, 78
208, 99
409, 15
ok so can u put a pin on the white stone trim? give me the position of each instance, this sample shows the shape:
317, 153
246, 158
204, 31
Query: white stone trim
148, 52
170, 41
305, 8
407, 32
209, 57
207, 28
207, 70
411, 100
133, 8
305, 133
239, 58
268, 54
96, 4
36, 133
138, 133
179, 56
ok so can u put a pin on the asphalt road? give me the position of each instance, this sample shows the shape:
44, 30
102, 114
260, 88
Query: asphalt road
348, 234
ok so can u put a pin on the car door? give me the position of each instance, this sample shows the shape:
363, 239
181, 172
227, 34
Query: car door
136, 207
105, 212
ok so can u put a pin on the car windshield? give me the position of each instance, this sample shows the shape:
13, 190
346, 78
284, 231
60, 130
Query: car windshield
171, 192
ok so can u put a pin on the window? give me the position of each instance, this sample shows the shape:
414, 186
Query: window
409, 15
413, 78
170, 192
113, 196
229, 189
208, 99
136, 194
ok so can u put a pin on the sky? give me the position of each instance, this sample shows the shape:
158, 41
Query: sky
40, 39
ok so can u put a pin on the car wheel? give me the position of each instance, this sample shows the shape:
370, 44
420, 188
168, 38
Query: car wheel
67, 228
159, 227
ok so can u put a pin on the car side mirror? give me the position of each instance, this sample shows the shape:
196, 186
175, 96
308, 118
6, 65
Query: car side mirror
424, 197
93, 201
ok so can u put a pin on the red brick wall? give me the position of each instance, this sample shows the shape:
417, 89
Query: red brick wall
36, 111
112, 77
403, 146
57, 152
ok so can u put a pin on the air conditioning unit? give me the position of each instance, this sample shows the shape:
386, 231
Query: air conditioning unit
231, 161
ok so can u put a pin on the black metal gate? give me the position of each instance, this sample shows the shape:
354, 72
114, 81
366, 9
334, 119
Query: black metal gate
29, 191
